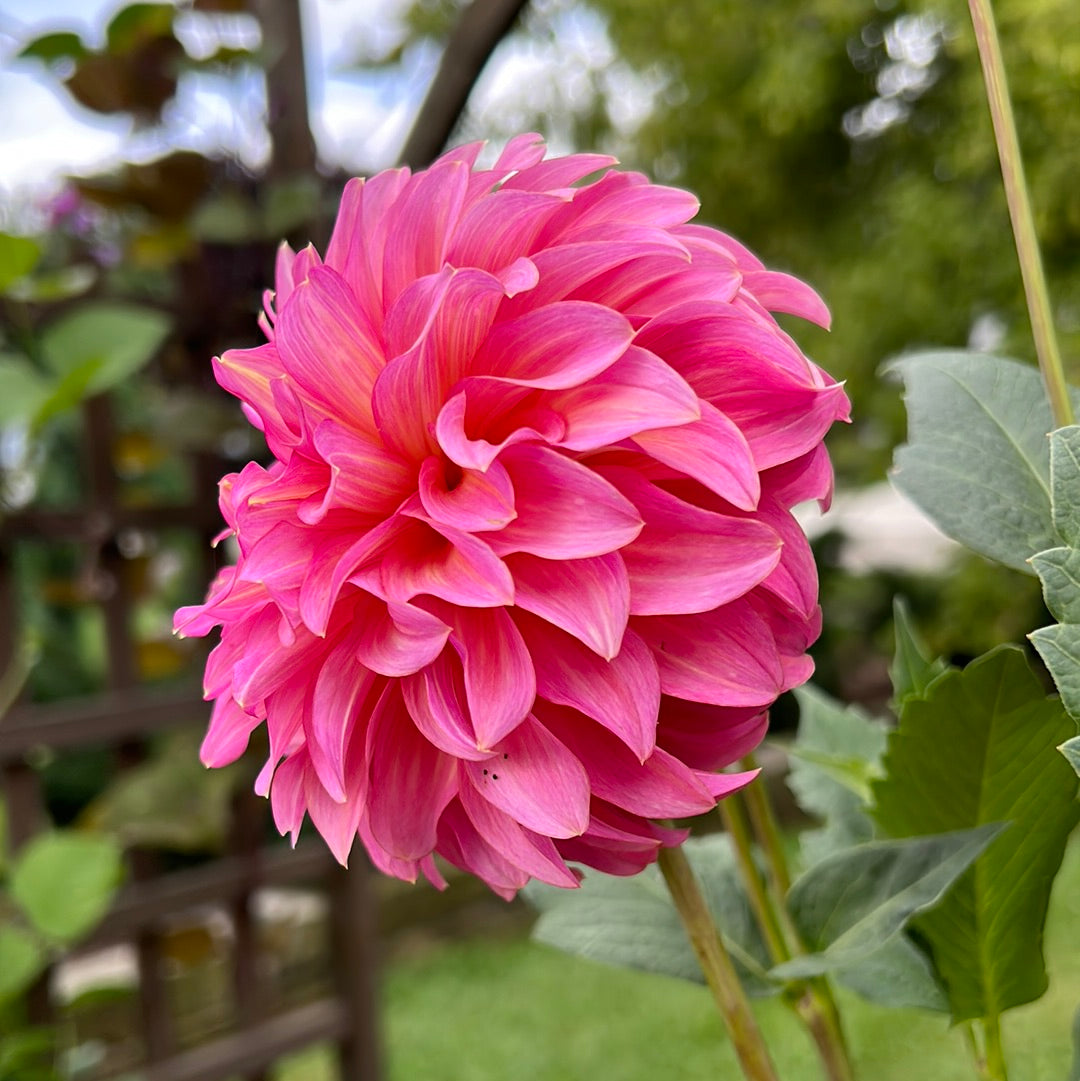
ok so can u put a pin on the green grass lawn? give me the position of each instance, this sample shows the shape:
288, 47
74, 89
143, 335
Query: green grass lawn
513, 1011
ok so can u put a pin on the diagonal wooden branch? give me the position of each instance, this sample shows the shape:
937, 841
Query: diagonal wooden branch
483, 24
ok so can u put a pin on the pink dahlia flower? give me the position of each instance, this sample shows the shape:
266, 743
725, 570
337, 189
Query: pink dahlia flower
522, 577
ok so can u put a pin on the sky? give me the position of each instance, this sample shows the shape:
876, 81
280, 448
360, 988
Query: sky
360, 119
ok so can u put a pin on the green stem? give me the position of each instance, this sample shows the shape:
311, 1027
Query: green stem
816, 1004
719, 972
1023, 223
733, 815
995, 1057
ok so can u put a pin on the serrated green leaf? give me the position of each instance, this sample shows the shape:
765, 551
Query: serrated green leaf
1065, 483
898, 975
18, 256
1071, 750
64, 882
977, 460
854, 902
980, 748
1059, 647
1059, 571
912, 669
118, 338
835, 754
632, 923
22, 958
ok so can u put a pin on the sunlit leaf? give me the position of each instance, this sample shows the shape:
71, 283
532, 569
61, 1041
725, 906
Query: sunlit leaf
18, 256
21, 959
64, 881
979, 748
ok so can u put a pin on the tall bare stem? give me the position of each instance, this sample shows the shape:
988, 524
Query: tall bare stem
1023, 223
753, 1055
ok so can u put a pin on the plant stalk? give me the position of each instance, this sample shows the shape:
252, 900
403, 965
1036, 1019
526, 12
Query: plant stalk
1023, 222
733, 815
753, 1055
815, 1005
995, 1056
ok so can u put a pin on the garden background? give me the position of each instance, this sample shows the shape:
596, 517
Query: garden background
156, 155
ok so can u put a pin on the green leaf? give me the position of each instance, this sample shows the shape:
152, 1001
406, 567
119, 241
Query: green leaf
1065, 482
631, 922
898, 975
833, 759
137, 23
1071, 750
18, 256
1059, 571
854, 902
1059, 647
64, 882
66, 392
22, 958
60, 284
25, 390
980, 748
977, 460
118, 338
912, 670
62, 45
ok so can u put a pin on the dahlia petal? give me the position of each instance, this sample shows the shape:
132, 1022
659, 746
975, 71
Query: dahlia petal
287, 803
521, 152
808, 477
341, 689
285, 712
687, 559
336, 820
250, 375
558, 172
564, 510
536, 780
533, 853
227, 736
588, 598
500, 683
364, 476
794, 579
622, 694
727, 657
780, 292
713, 451
463, 846
423, 218
396, 639
411, 782
659, 786
637, 393
329, 348
544, 426
502, 227
554, 347
435, 699
447, 563
708, 737
467, 499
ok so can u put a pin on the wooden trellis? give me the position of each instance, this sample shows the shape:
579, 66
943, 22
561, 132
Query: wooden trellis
123, 717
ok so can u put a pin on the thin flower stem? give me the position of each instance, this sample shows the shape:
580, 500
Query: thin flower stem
719, 971
1023, 223
816, 1005
733, 815
977, 1056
